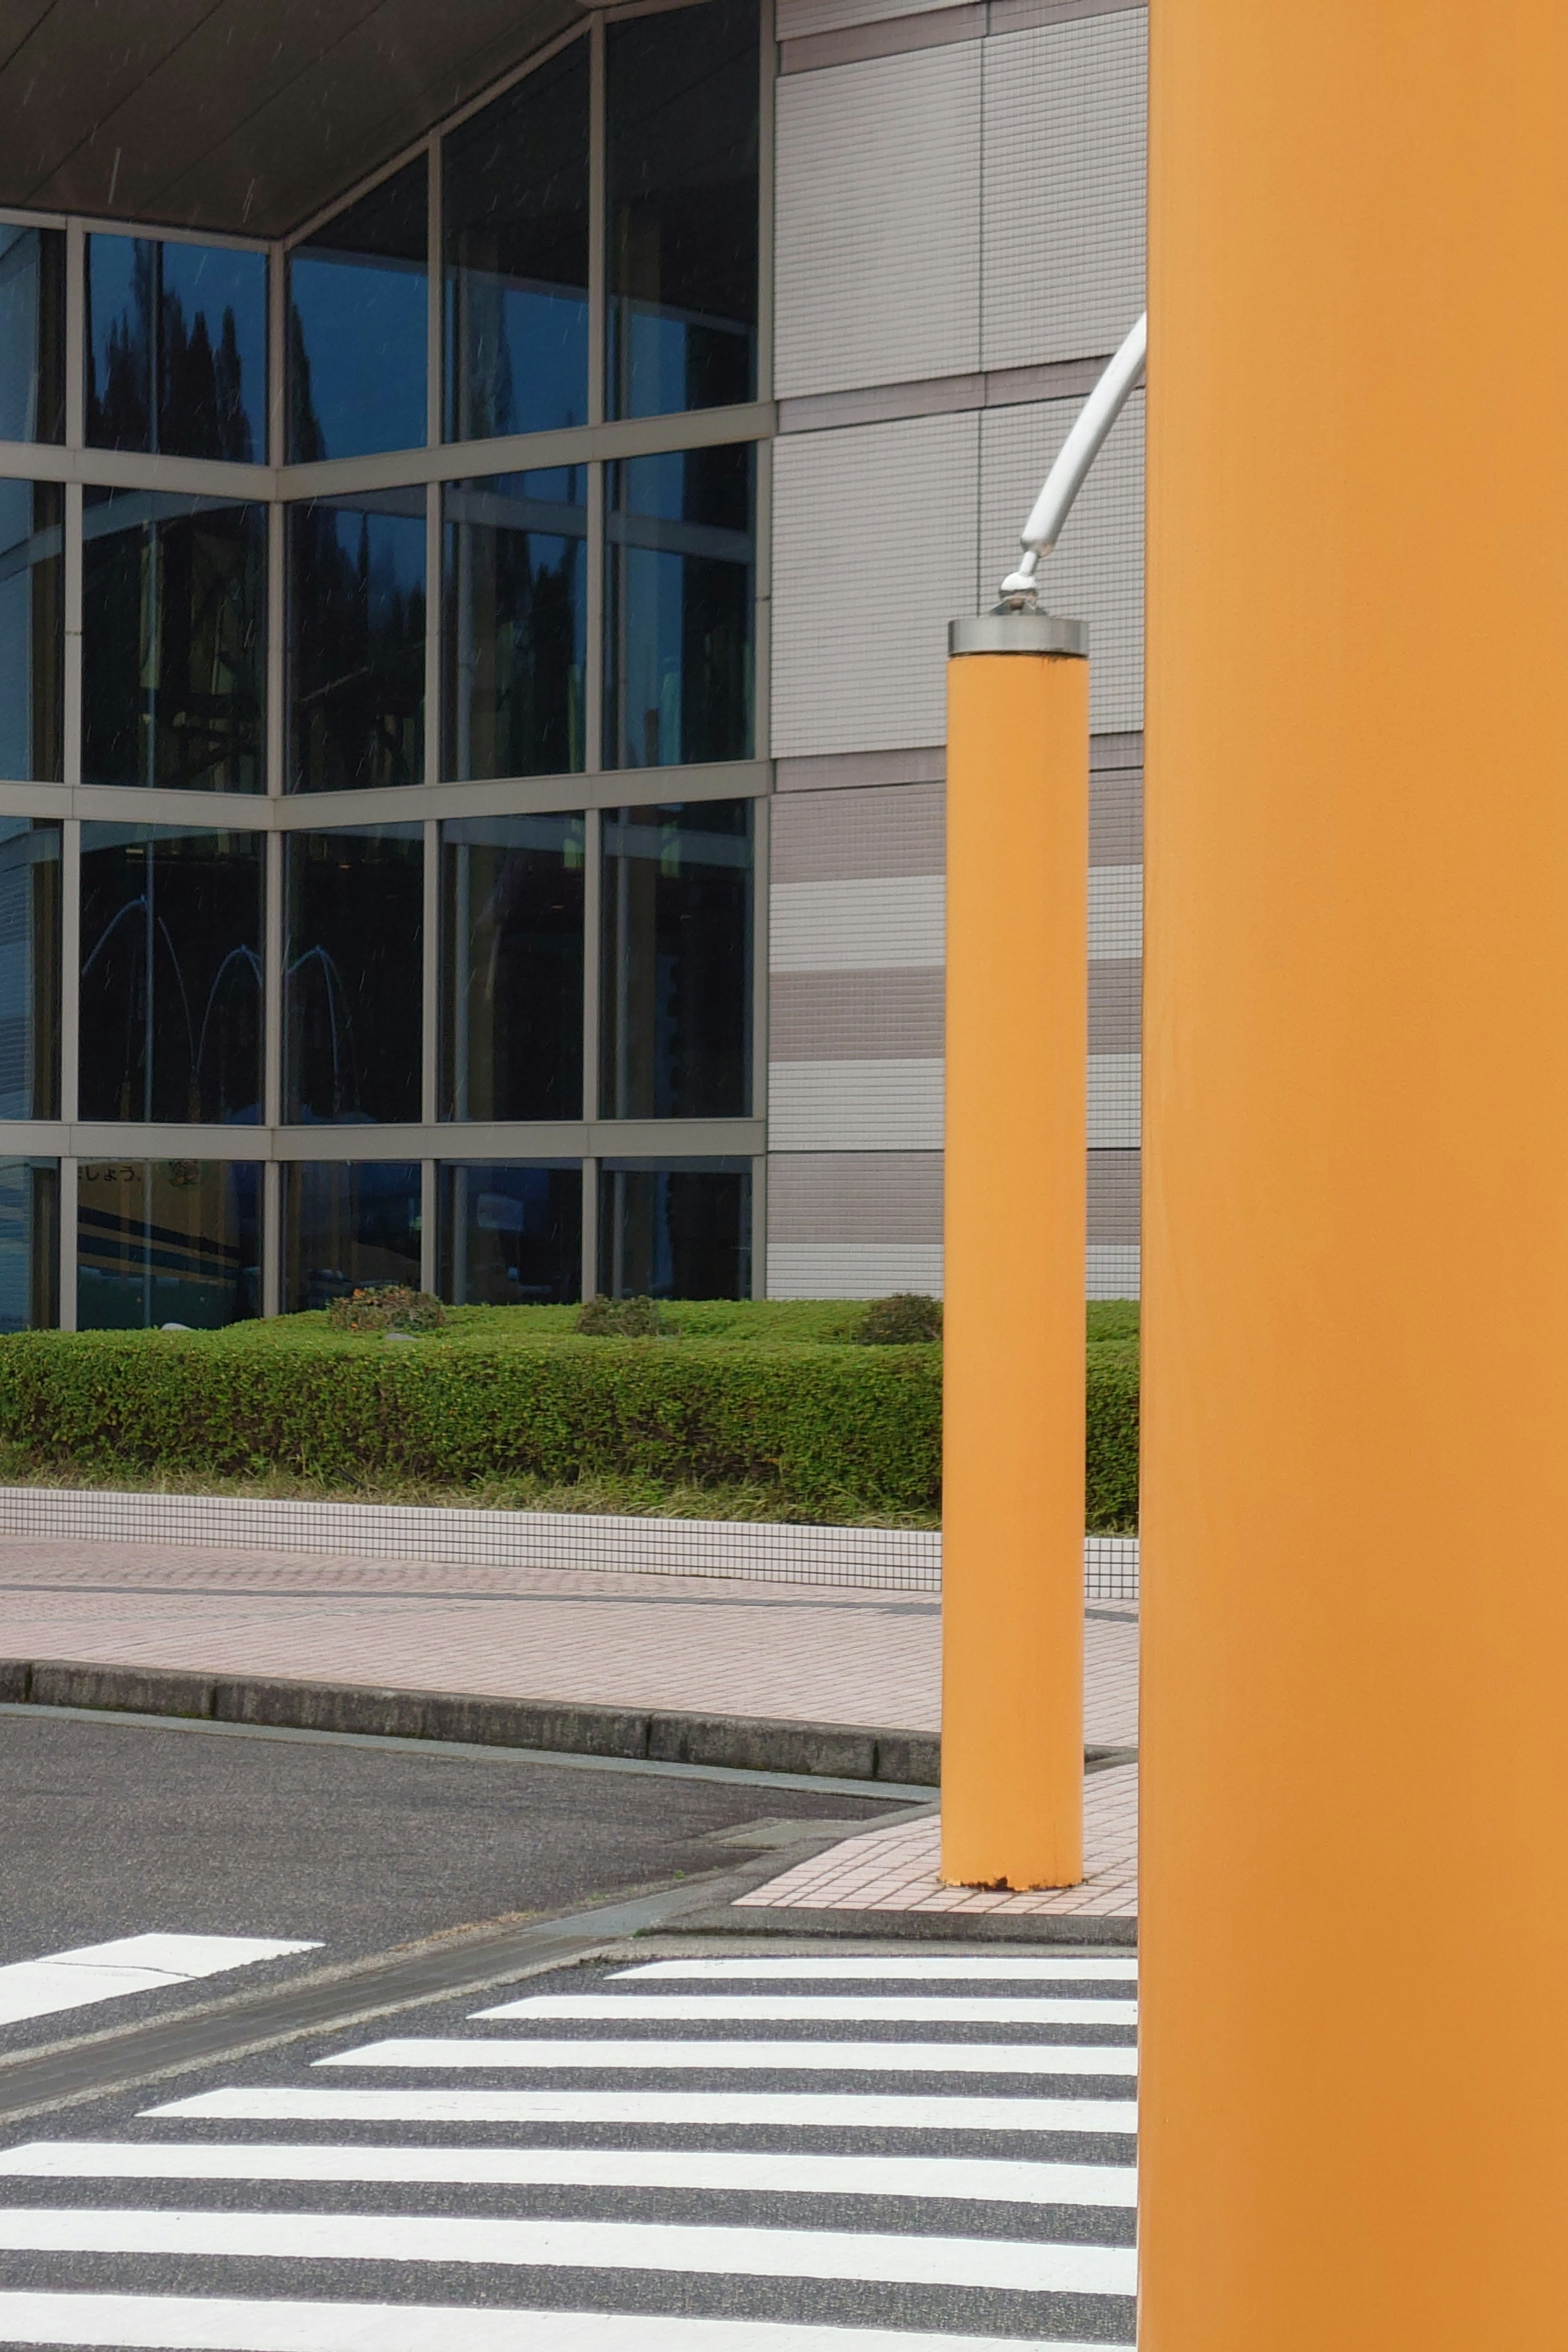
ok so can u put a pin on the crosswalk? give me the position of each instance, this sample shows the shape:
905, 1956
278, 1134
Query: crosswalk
915, 2153
91, 1973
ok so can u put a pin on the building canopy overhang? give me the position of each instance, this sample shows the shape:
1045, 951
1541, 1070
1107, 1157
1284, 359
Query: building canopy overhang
240, 117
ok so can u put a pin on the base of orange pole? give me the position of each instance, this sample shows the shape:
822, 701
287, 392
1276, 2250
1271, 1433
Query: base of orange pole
1013, 1448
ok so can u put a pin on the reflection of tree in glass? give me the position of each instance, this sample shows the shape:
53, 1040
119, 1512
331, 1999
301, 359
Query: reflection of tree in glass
200, 393
359, 639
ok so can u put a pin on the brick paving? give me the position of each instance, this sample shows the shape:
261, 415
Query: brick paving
894, 1869
828, 1655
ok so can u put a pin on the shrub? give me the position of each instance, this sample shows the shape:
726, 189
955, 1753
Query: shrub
387, 1306
620, 1318
906, 1319
1110, 1492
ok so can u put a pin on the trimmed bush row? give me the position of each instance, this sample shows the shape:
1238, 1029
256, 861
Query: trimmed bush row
823, 1424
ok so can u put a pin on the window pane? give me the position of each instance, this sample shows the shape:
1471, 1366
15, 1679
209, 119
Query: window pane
32, 630
510, 1236
512, 1043
32, 334
682, 261
29, 1244
171, 974
358, 326
173, 641
348, 1224
677, 932
353, 974
674, 1233
678, 630
167, 1241
356, 642
29, 969
176, 349
516, 626
515, 220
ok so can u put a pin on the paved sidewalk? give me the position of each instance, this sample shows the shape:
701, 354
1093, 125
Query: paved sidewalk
827, 1655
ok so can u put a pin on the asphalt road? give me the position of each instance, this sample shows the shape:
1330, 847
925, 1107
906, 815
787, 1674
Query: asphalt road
675, 2161
109, 1831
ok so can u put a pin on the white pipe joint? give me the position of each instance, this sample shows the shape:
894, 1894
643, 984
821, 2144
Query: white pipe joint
1079, 452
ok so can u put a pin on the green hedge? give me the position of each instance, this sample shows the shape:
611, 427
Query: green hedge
823, 1424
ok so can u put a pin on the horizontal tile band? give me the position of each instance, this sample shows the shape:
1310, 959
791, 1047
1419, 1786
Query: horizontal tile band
895, 35
942, 396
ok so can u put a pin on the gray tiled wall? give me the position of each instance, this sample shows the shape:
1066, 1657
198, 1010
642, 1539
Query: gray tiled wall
960, 245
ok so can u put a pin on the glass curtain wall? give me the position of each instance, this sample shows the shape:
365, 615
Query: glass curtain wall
512, 895
32, 631
176, 348
503, 592
172, 993
352, 975
510, 1236
680, 595
357, 326
167, 1241
675, 1231
29, 1244
29, 969
515, 583
32, 334
681, 115
514, 219
349, 1224
356, 642
676, 932
173, 641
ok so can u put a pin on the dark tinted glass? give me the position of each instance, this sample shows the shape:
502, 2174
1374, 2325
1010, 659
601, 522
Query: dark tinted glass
171, 974
682, 261
356, 642
32, 630
29, 1244
32, 337
29, 969
167, 1241
514, 217
176, 349
358, 326
511, 1041
678, 630
173, 641
353, 974
348, 1224
516, 623
676, 924
510, 1236
674, 1233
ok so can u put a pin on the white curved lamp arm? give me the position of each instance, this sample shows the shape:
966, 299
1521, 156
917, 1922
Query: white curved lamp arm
1079, 452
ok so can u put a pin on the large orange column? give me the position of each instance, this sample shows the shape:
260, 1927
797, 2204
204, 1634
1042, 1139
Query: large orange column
1354, 1908
1013, 1464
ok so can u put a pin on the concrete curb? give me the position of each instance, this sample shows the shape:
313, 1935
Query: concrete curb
909, 1926
746, 1743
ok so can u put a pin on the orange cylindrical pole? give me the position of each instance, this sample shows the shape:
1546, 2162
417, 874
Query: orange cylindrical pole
1354, 1907
1013, 1458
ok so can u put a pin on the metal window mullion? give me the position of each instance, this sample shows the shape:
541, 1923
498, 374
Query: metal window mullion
594, 682
70, 730
271, 1238
761, 603
768, 61
592, 903
434, 758
277, 354
760, 1226
272, 984
762, 813
430, 969
76, 341
68, 1242
70, 968
434, 272
589, 1282
277, 647
598, 218
428, 1270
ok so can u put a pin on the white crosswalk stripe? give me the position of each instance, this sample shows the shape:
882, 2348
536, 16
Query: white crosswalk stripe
759, 2215
151, 1963
440, 2051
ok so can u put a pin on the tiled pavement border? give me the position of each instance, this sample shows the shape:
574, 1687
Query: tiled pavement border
899, 1559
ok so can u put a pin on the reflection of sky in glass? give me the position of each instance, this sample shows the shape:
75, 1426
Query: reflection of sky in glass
26, 669
526, 352
361, 322
394, 552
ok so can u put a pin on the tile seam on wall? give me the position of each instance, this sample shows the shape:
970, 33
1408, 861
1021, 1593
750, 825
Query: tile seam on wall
896, 35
